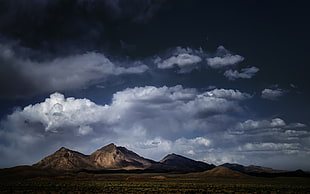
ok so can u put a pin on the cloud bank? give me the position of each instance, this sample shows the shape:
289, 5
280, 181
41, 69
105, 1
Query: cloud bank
168, 114
158, 120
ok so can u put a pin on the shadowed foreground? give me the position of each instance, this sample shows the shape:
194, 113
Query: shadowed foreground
150, 183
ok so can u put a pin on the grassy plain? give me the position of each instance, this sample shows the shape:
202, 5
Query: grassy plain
151, 183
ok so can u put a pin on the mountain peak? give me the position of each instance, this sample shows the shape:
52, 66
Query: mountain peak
63, 149
65, 159
169, 156
109, 148
117, 157
175, 160
111, 145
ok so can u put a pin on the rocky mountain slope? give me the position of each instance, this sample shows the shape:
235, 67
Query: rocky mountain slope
65, 159
113, 157
175, 161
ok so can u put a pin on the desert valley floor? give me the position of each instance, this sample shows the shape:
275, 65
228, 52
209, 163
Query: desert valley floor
23, 181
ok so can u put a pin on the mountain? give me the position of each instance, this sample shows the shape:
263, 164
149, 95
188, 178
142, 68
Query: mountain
181, 163
65, 159
113, 157
221, 171
108, 157
117, 159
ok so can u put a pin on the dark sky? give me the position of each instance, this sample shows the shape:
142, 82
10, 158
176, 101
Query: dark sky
217, 81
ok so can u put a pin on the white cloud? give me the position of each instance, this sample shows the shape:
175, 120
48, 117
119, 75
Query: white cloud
228, 94
272, 94
268, 146
71, 72
160, 146
261, 125
59, 112
274, 135
265, 141
246, 73
227, 60
250, 124
188, 59
84, 130
224, 59
185, 59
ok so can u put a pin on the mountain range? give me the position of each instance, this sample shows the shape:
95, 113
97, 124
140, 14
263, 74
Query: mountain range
117, 159
112, 157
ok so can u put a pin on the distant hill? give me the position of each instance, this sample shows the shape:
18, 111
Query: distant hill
265, 171
184, 164
251, 168
221, 171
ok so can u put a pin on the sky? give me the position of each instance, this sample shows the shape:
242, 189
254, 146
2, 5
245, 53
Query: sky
216, 81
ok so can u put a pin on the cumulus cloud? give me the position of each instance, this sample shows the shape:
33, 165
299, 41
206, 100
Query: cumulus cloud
149, 114
272, 94
158, 120
246, 73
186, 59
223, 58
72, 72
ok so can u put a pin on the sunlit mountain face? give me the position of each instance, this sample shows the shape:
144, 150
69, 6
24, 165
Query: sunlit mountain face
219, 82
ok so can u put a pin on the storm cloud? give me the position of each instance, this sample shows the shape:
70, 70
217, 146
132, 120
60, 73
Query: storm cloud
65, 26
29, 77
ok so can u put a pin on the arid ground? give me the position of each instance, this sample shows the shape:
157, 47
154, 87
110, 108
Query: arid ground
147, 183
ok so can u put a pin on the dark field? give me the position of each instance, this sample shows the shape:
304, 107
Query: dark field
152, 183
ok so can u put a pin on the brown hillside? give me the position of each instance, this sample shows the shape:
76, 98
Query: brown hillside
65, 159
113, 157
